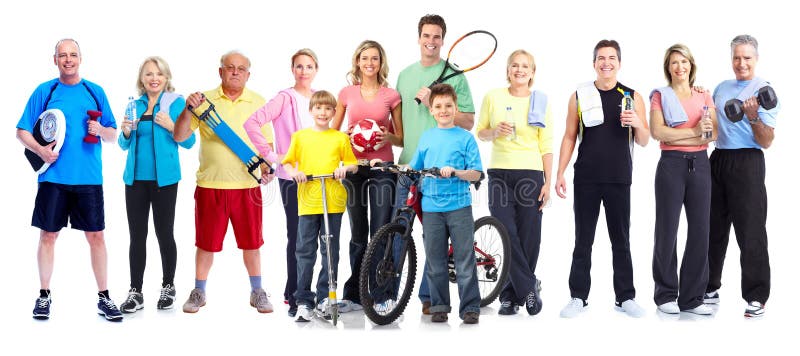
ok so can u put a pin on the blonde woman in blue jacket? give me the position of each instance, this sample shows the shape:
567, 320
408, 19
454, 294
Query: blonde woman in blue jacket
152, 172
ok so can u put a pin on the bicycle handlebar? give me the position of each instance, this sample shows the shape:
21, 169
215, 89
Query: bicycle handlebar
405, 170
318, 176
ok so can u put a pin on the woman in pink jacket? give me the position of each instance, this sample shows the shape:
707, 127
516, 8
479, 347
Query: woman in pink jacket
288, 112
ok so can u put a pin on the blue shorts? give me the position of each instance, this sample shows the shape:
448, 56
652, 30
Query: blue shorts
82, 204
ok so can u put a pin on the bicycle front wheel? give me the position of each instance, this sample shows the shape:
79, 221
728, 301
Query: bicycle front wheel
492, 255
387, 274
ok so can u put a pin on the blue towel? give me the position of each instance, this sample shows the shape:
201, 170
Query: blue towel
674, 114
752, 88
538, 109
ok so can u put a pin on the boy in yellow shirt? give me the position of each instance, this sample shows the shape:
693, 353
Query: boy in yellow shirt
318, 150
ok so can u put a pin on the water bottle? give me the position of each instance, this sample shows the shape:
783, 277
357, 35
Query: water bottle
130, 112
627, 104
510, 121
706, 117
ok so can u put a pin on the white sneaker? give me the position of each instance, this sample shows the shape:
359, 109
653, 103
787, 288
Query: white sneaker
669, 308
754, 309
346, 306
631, 308
322, 310
701, 309
304, 314
573, 308
385, 307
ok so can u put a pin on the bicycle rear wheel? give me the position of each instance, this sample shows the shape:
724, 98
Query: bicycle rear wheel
492, 255
387, 274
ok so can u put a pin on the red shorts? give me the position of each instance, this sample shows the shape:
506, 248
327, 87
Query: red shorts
214, 207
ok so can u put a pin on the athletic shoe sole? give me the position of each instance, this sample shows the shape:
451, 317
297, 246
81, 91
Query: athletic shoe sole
110, 317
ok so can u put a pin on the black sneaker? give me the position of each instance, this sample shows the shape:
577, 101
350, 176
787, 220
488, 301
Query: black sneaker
439, 317
533, 302
711, 297
41, 310
167, 298
508, 308
293, 311
133, 303
107, 309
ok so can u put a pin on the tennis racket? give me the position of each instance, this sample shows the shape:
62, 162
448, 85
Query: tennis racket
468, 52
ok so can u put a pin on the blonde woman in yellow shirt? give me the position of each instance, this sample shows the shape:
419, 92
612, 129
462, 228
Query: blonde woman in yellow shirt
517, 121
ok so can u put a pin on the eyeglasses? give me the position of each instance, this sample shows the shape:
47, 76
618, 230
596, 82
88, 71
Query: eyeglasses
232, 68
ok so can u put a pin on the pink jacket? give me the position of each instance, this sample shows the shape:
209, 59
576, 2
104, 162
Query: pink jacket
282, 112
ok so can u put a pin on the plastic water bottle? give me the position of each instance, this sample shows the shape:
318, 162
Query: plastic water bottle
130, 112
627, 104
706, 118
510, 121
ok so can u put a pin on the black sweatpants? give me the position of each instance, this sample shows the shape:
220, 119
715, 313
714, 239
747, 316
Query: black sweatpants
139, 197
616, 199
514, 200
739, 198
683, 179
288, 190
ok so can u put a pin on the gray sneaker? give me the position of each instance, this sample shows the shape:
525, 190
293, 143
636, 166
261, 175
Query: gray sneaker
197, 299
134, 302
260, 301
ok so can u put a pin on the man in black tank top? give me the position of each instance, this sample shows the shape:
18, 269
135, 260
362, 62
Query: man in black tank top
602, 174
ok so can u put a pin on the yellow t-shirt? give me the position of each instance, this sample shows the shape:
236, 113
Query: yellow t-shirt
317, 153
220, 168
525, 152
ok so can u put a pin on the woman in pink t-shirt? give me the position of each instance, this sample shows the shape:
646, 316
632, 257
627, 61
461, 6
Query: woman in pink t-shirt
369, 97
288, 112
683, 179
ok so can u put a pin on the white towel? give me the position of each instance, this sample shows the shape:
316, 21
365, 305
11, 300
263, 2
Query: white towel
590, 105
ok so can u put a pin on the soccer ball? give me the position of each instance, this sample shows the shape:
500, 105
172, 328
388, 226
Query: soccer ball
364, 136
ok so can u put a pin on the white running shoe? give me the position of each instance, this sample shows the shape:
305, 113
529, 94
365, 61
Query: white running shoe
346, 306
631, 308
701, 309
304, 314
573, 308
669, 308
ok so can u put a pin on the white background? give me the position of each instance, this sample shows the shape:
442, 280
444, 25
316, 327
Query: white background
116, 37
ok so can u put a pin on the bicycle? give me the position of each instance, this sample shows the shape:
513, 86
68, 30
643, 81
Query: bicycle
389, 267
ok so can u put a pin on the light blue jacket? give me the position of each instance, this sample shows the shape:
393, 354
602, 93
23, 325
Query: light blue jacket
168, 167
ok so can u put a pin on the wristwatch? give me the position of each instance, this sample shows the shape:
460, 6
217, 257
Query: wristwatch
754, 120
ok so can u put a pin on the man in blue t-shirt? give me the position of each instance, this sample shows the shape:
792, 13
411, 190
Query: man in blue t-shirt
71, 188
738, 192
447, 207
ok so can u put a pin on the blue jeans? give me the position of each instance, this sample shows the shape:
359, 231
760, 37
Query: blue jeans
403, 185
309, 229
458, 225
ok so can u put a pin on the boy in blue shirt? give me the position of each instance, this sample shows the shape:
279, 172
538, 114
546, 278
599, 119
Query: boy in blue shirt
447, 206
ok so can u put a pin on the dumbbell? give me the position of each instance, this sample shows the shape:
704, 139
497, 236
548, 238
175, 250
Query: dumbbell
766, 98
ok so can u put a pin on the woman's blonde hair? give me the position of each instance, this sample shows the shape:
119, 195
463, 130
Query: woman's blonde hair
354, 75
530, 58
163, 67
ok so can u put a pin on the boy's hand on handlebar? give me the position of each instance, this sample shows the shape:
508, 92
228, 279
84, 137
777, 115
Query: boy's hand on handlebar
446, 171
299, 176
340, 172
